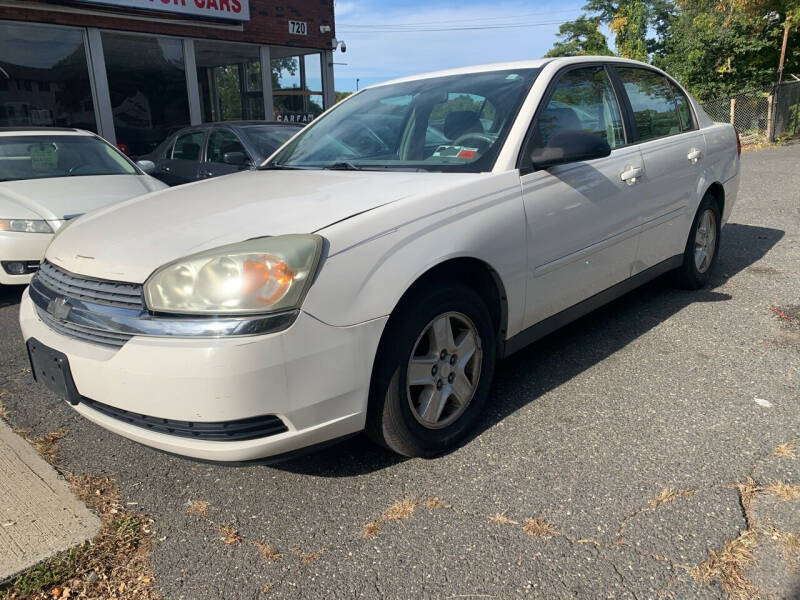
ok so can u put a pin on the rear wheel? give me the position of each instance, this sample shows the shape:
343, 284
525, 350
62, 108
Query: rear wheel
433, 371
702, 247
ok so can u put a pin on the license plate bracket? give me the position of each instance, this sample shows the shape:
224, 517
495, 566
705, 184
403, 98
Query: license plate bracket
51, 368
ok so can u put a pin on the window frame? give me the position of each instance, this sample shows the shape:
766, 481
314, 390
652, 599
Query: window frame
636, 138
190, 131
234, 133
525, 169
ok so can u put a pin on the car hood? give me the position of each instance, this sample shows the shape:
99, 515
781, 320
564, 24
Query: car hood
54, 199
128, 241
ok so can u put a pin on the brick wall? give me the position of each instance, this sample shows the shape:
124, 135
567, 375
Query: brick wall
268, 21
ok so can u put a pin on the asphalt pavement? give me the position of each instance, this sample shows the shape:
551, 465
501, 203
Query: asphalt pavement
664, 389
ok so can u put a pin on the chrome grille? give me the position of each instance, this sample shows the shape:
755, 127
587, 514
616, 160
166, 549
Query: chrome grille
110, 293
87, 334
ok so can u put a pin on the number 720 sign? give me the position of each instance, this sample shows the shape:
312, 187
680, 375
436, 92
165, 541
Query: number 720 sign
298, 27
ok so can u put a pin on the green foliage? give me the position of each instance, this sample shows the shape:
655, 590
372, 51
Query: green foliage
342, 95
719, 49
580, 37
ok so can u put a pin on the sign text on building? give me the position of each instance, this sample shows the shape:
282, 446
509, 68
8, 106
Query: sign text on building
238, 10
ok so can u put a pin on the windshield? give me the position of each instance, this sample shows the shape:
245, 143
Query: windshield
452, 123
42, 156
268, 138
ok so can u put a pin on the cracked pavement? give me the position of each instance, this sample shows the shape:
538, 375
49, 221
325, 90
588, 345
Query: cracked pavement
585, 429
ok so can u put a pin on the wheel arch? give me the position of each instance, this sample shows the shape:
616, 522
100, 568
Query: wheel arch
718, 192
473, 272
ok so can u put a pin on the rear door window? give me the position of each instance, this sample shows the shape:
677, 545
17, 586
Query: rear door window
652, 102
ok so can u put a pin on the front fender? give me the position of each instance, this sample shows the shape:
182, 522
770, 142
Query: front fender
376, 256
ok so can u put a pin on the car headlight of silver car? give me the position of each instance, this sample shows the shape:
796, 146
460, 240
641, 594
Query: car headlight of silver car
25, 225
262, 275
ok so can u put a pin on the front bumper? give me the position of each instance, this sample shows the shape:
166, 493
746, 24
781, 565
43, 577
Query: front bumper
15, 246
314, 376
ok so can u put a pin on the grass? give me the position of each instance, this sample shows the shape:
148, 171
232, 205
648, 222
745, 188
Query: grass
501, 519
727, 566
47, 445
115, 564
784, 491
668, 495
267, 551
197, 508
230, 535
785, 450
538, 527
399, 511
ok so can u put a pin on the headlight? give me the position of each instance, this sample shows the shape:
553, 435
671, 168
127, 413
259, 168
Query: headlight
25, 225
257, 276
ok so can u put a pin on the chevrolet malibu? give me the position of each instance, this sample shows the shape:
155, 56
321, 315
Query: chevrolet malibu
48, 176
373, 270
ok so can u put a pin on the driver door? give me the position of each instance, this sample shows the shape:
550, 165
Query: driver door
582, 216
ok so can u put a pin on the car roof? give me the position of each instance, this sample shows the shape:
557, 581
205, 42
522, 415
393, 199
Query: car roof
15, 131
535, 63
239, 124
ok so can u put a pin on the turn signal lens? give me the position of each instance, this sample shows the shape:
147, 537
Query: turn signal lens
257, 276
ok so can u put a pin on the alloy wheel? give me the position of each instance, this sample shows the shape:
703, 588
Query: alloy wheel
444, 370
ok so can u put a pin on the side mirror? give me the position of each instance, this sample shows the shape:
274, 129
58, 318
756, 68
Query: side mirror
568, 147
148, 166
237, 159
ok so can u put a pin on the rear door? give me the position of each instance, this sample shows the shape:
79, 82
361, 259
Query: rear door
582, 217
182, 165
221, 142
673, 149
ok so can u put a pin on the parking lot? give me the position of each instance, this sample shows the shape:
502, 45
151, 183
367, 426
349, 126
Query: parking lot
606, 466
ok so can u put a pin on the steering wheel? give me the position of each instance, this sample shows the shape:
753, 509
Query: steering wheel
481, 140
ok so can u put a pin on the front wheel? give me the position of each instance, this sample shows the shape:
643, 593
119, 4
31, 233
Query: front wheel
433, 372
702, 246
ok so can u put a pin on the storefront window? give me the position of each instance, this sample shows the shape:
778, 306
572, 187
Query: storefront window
229, 77
44, 78
147, 84
297, 87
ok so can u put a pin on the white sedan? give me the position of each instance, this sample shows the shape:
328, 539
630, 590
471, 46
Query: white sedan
48, 176
375, 268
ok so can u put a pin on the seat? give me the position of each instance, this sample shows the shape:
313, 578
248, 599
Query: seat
459, 122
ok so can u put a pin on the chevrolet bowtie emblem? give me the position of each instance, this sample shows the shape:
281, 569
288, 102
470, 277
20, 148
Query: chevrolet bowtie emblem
59, 308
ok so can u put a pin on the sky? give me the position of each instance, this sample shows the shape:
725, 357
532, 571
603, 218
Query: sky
384, 40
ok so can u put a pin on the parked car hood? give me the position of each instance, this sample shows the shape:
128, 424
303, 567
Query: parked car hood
128, 241
53, 199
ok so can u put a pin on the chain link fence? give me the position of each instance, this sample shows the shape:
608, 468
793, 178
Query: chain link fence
760, 115
787, 109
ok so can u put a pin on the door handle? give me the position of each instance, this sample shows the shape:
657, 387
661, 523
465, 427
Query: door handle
694, 155
164, 169
631, 174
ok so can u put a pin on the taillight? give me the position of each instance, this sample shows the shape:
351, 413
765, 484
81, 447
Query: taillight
738, 142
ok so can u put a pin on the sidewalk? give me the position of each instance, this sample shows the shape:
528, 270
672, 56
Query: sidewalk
39, 515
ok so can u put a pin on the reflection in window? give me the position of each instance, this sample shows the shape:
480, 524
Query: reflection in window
583, 100
147, 83
229, 76
44, 77
652, 102
297, 88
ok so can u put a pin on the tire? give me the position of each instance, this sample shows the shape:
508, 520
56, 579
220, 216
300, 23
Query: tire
702, 247
417, 403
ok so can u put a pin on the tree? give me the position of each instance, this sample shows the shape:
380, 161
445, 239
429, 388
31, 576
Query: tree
579, 38
717, 49
630, 21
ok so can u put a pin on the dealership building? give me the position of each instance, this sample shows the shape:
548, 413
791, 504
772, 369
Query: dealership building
134, 71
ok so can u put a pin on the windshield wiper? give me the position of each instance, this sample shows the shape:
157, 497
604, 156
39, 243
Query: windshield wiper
343, 166
280, 167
